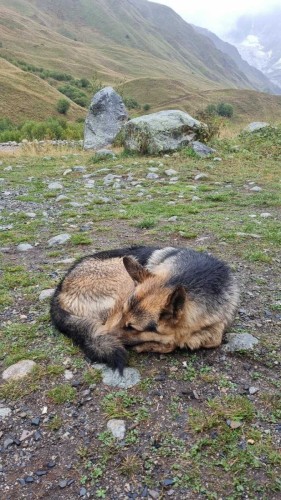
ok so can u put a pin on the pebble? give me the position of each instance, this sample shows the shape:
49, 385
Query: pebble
82, 492
24, 247
174, 218
153, 494
152, 175
51, 464
170, 172
68, 375
5, 412
200, 177
55, 185
117, 428
217, 158
79, 168
266, 215
256, 189
131, 376
41, 473
62, 197
7, 443
31, 215
35, 421
29, 479
18, 370
67, 171
253, 390
46, 294
239, 341
63, 483
195, 198
60, 239
26, 434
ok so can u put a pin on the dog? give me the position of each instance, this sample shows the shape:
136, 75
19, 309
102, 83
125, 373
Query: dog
148, 298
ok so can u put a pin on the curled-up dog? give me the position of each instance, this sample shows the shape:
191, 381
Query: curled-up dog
152, 299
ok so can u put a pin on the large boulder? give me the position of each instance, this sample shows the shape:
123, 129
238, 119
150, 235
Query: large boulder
164, 131
106, 116
255, 126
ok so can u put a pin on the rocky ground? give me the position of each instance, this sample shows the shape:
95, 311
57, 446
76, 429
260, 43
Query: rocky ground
180, 426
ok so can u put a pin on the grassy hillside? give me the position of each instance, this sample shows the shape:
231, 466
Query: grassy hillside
160, 59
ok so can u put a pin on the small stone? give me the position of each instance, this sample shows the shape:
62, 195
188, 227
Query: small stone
37, 436
29, 479
46, 294
250, 441
41, 473
8, 442
195, 198
217, 158
55, 185
265, 215
35, 421
105, 153
21, 482
200, 177
24, 247
117, 428
82, 492
31, 215
240, 341
67, 171
253, 390
68, 375
174, 218
255, 126
79, 168
131, 376
62, 197
75, 204
51, 464
170, 172
153, 494
5, 412
63, 483
18, 370
201, 149
25, 435
152, 175
233, 424
168, 482
60, 239
256, 189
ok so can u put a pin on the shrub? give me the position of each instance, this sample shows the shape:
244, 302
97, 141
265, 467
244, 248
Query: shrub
74, 94
52, 128
63, 106
224, 109
131, 103
146, 107
211, 109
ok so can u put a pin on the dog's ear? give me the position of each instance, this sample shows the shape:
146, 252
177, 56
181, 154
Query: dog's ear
137, 272
174, 304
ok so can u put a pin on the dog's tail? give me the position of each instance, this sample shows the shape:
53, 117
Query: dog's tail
104, 348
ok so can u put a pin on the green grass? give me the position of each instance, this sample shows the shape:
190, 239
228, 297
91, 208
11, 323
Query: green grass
61, 394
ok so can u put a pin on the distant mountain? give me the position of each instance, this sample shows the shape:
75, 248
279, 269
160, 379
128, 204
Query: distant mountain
258, 39
255, 76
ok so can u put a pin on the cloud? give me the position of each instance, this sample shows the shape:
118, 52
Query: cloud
217, 15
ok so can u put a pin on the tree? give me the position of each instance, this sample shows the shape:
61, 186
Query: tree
63, 106
224, 109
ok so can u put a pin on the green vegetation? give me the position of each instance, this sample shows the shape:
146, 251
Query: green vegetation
63, 393
221, 109
75, 95
50, 129
63, 106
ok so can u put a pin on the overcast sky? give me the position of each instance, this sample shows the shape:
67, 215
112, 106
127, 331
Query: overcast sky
217, 15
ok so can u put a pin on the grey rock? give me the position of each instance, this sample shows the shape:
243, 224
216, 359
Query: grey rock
265, 215
67, 171
68, 375
75, 204
174, 218
254, 126
153, 494
7, 443
46, 294
131, 376
79, 168
60, 239
200, 177
195, 198
26, 434
62, 197
253, 390
82, 492
55, 185
159, 132
217, 158
201, 149
90, 184
24, 247
63, 483
170, 172
18, 370
152, 175
105, 153
31, 215
240, 341
5, 412
256, 189
105, 119
109, 179
117, 428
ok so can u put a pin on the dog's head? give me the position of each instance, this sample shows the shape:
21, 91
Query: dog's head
153, 306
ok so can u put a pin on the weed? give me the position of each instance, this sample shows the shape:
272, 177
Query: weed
63, 393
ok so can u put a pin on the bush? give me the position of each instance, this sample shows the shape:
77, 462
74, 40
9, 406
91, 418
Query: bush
146, 107
50, 129
63, 106
224, 109
131, 103
75, 95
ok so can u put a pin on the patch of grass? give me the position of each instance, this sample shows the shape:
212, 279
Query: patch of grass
92, 376
81, 239
55, 423
61, 394
121, 405
130, 465
146, 223
258, 256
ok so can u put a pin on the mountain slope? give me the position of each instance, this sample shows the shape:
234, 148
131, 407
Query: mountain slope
255, 76
160, 57
258, 39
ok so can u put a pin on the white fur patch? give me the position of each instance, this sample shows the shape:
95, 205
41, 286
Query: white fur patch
158, 257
